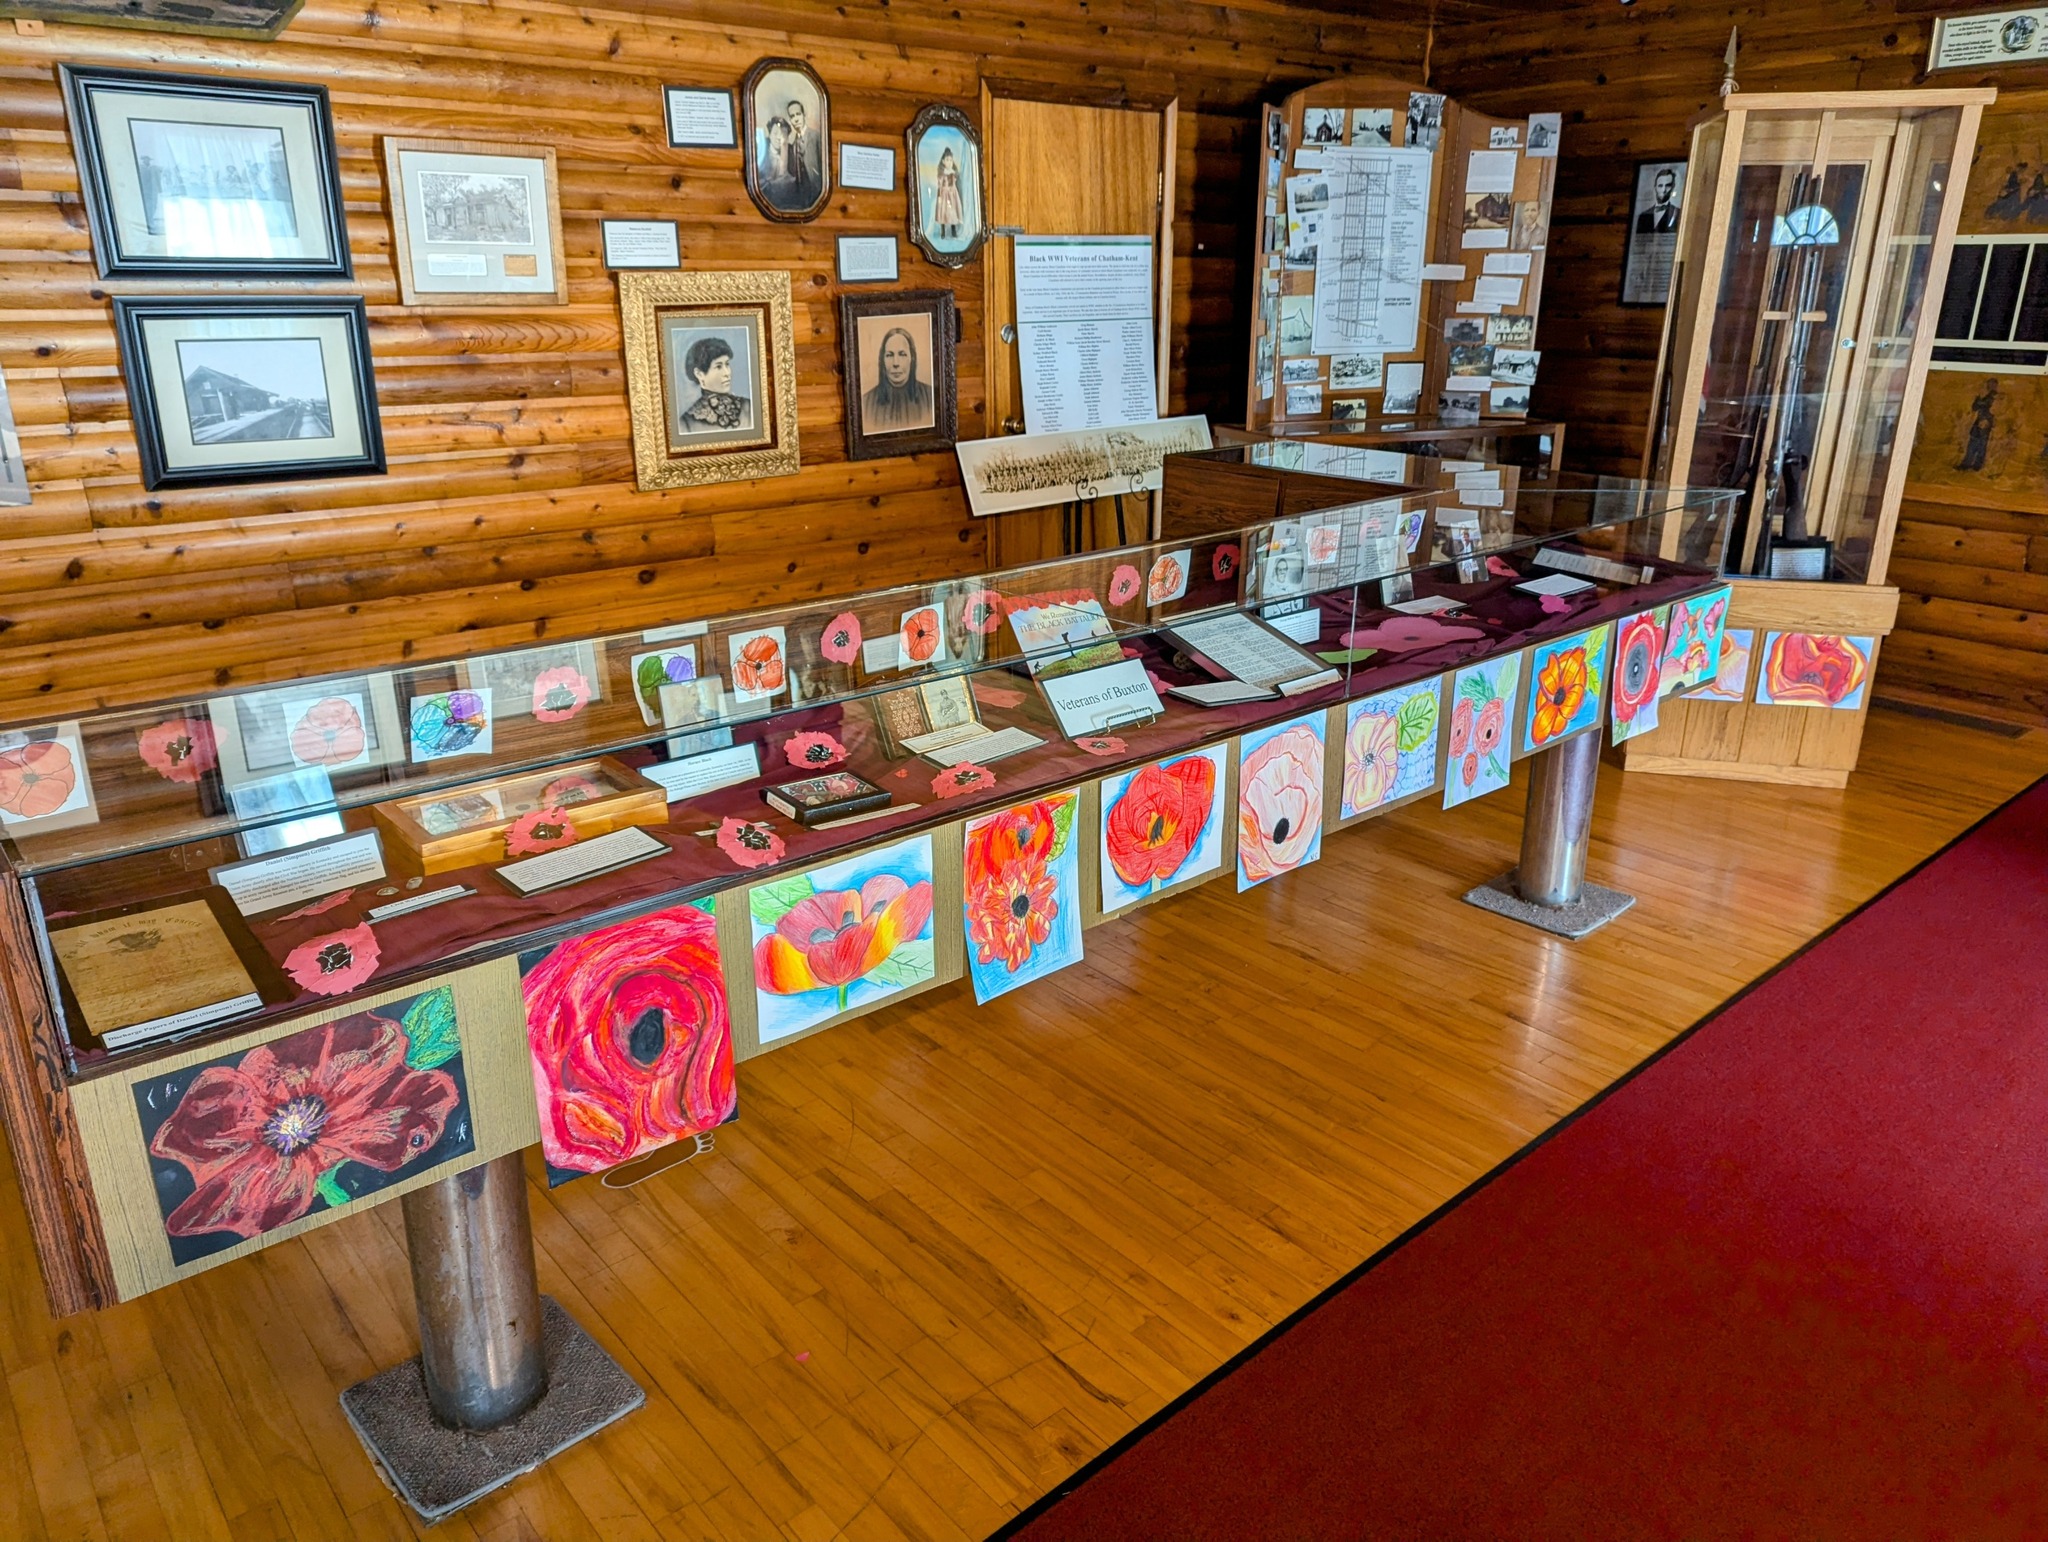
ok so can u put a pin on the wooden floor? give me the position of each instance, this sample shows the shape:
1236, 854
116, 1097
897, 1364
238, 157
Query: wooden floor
948, 1254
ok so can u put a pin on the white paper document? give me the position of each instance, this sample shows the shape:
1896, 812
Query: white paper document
1553, 583
973, 741
1369, 255
1428, 605
1497, 291
1490, 171
1237, 644
1085, 332
303, 873
1509, 262
586, 859
1443, 273
707, 772
1221, 693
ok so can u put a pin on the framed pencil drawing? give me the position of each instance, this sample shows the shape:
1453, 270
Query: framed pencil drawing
477, 222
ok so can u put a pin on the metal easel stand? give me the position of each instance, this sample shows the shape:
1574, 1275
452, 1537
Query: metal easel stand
505, 1378
1548, 888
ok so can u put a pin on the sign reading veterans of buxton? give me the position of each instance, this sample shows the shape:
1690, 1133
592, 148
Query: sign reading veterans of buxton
1991, 38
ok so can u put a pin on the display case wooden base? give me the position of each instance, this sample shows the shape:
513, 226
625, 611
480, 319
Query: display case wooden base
1748, 741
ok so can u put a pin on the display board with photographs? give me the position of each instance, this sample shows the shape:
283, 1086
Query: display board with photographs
899, 371
477, 223
788, 149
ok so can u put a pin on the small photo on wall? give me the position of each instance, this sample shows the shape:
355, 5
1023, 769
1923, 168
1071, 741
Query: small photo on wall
1806, 669
478, 223
1372, 127
788, 132
899, 369
1279, 800
946, 219
1021, 869
1322, 126
1162, 826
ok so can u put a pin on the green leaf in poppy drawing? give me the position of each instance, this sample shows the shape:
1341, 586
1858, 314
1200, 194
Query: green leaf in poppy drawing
772, 901
430, 1032
330, 1190
912, 963
1063, 823
1416, 721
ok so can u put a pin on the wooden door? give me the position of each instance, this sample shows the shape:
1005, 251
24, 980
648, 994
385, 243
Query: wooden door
1068, 168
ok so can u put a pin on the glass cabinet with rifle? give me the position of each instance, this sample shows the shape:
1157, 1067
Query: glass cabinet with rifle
1813, 246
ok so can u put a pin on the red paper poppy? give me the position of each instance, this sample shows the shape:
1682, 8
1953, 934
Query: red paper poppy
542, 829
319, 907
1012, 895
180, 750
1102, 744
1500, 569
329, 733
1223, 566
37, 779
559, 694
841, 642
335, 964
758, 667
1124, 585
982, 611
750, 842
808, 750
921, 634
1151, 830
997, 696
964, 778
258, 1135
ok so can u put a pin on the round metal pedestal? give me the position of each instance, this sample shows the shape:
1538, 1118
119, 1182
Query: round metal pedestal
1549, 889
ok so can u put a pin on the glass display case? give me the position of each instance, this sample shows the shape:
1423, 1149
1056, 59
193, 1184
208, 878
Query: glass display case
399, 852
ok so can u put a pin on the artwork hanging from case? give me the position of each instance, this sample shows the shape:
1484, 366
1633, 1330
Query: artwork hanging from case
947, 215
901, 396
788, 165
197, 176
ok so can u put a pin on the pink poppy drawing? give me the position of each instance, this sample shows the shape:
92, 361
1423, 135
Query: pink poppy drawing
750, 843
841, 642
1280, 804
1101, 744
1500, 569
180, 750
814, 749
335, 964
957, 781
543, 829
1461, 728
1372, 759
258, 1136
559, 694
1124, 584
1409, 634
329, 733
982, 611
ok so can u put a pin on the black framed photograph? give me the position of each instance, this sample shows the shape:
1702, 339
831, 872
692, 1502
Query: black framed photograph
900, 391
241, 390
201, 177
946, 211
1654, 209
788, 163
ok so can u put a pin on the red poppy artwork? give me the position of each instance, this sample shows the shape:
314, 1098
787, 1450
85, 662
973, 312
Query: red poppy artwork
327, 732
1124, 584
920, 639
1279, 800
958, 781
1802, 669
180, 750
1224, 561
1161, 825
1638, 669
840, 642
750, 842
559, 694
982, 611
41, 778
335, 964
252, 1141
538, 830
759, 669
1022, 889
630, 1036
810, 750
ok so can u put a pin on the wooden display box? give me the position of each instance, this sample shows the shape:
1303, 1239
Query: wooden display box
467, 826
1747, 742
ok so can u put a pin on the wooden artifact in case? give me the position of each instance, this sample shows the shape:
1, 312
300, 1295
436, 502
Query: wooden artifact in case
517, 816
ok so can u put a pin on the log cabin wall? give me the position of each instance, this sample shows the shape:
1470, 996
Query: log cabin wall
509, 511
1971, 559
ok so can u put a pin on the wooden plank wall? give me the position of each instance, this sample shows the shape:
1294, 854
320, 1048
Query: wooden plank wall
1972, 562
509, 512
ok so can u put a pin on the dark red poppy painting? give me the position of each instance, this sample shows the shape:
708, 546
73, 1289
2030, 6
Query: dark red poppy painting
249, 1142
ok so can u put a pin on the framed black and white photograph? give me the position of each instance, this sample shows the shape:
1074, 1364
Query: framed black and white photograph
946, 212
14, 488
239, 390
477, 222
201, 177
1653, 232
788, 158
699, 116
900, 392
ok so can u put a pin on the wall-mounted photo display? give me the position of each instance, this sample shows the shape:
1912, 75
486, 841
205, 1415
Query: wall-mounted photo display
240, 390
202, 177
477, 222
789, 139
699, 116
1653, 232
14, 486
946, 210
900, 395
710, 376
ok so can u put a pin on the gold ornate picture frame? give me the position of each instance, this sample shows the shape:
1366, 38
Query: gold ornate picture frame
710, 376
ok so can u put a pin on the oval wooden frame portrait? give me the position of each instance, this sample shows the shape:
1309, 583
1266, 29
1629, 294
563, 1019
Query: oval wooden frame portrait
750, 168
939, 115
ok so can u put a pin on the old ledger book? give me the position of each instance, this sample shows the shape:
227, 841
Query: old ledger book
154, 972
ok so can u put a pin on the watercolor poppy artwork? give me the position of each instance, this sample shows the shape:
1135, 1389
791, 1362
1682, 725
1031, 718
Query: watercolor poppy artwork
842, 937
840, 641
630, 1034
1806, 669
760, 663
1731, 679
559, 694
450, 723
1638, 671
1692, 640
1390, 745
1279, 800
1021, 894
243, 1144
1161, 827
1167, 580
1482, 715
1566, 678
327, 732
920, 638
43, 780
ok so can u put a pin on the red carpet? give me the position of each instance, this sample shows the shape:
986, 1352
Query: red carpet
1788, 1280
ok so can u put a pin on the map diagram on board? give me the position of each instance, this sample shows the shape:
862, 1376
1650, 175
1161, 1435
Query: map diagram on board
1370, 256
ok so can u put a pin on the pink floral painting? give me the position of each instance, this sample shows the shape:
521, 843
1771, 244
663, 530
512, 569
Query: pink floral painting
1482, 707
1279, 800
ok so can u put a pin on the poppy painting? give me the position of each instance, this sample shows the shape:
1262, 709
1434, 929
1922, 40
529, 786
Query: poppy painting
1022, 871
1565, 681
1803, 669
760, 663
1482, 715
631, 1039
328, 731
1692, 640
1731, 679
1162, 827
1279, 800
842, 937
920, 640
310, 1122
1638, 672
43, 781
1390, 747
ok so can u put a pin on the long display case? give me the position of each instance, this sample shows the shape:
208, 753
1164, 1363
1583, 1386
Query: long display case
287, 951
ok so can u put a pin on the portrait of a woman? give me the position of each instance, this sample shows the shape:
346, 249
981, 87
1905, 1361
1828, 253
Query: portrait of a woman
896, 398
716, 407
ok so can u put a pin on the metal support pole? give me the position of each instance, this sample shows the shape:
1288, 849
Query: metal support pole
471, 1242
1549, 888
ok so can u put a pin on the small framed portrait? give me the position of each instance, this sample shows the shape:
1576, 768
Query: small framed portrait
788, 153
710, 376
900, 397
242, 390
946, 212
194, 176
478, 223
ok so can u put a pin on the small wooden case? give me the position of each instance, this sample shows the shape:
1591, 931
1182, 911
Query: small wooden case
467, 826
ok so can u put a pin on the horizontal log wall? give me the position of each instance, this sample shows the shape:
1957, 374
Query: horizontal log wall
1972, 566
509, 511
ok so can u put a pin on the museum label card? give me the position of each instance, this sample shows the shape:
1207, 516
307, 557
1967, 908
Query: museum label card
1443, 273
641, 244
426, 901
978, 744
1084, 331
1093, 701
707, 772
586, 859
1553, 583
1992, 37
1509, 262
699, 117
1428, 605
869, 166
1220, 693
1490, 171
867, 260
303, 873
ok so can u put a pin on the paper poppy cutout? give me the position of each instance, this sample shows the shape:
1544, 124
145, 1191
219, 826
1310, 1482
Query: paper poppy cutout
1555, 605
1101, 744
1124, 584
1500, 569
329, 733
982, 611
541, 829
809, 750
1223, 566
180, 750
955, 781
37, 779
319, 907
560, 693
997, 696
335, 964
750, 843
1407, 634
841, 642
920, 634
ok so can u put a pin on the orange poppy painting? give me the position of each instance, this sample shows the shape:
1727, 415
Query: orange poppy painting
1564, 687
